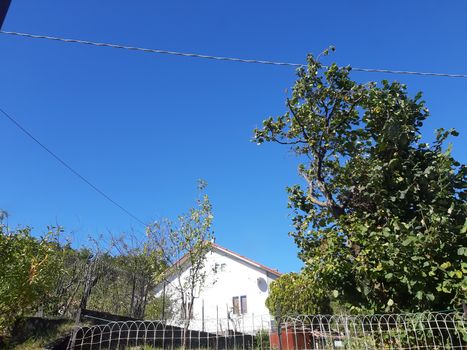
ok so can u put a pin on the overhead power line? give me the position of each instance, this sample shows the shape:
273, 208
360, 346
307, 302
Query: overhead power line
221, 58
70, 168
158, 51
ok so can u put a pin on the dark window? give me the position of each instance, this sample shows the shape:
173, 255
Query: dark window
236, 305
243, 304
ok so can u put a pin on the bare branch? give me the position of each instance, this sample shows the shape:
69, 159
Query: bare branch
288, 143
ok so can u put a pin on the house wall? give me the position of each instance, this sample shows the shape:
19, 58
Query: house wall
234, 277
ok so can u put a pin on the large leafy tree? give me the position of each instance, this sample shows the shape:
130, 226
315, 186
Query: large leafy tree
380, 217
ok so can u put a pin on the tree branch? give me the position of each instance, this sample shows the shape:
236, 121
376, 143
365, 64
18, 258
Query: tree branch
287, 143
298, 120
310, 195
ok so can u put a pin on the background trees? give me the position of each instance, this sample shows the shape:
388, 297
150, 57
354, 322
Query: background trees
380, 216
47, 276
118, 276
28, 269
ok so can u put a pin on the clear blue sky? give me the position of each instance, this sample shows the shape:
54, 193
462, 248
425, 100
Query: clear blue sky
145, 127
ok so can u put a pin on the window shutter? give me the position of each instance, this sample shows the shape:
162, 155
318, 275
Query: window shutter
236, 306
244, 304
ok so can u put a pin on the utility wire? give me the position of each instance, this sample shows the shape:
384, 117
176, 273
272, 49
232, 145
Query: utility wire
75, 172
133, 48
222, 58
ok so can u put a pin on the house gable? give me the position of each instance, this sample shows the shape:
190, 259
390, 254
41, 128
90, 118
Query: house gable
272, 272
239, 285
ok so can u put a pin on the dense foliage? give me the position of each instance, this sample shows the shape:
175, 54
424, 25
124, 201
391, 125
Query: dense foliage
295, 293
380, 220
40, 274
28, 269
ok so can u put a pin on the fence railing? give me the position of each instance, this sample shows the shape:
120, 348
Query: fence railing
392, 331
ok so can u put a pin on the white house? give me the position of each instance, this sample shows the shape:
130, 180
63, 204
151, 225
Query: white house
236, 289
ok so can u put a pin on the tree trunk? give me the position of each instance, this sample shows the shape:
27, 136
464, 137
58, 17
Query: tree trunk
132, 304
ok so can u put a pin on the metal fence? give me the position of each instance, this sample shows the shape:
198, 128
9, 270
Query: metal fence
392, 331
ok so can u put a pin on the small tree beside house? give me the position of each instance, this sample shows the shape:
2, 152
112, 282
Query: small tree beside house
183, 245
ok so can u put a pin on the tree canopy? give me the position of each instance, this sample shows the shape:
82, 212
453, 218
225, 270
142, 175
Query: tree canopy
379, 218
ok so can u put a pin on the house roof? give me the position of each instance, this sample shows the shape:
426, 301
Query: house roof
236, 255
245, 259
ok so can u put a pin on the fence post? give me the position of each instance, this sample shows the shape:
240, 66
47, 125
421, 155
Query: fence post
163, 303
202, 315
217, 326
227, 336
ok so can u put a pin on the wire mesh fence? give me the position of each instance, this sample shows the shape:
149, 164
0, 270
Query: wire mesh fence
392, 331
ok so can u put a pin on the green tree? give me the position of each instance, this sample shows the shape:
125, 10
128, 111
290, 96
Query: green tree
158, 306
127, 286
380, 216
68, 282
184, 246
295, 293
28, 268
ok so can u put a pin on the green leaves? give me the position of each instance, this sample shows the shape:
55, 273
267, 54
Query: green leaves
184, 245
294, 293
28, 267
379, 216
462, 251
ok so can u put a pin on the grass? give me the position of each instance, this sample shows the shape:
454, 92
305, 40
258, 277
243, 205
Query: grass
35, 333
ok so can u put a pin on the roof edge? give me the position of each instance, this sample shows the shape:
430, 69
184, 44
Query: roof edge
245, 259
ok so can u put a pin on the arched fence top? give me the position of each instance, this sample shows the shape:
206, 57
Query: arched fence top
429, 330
